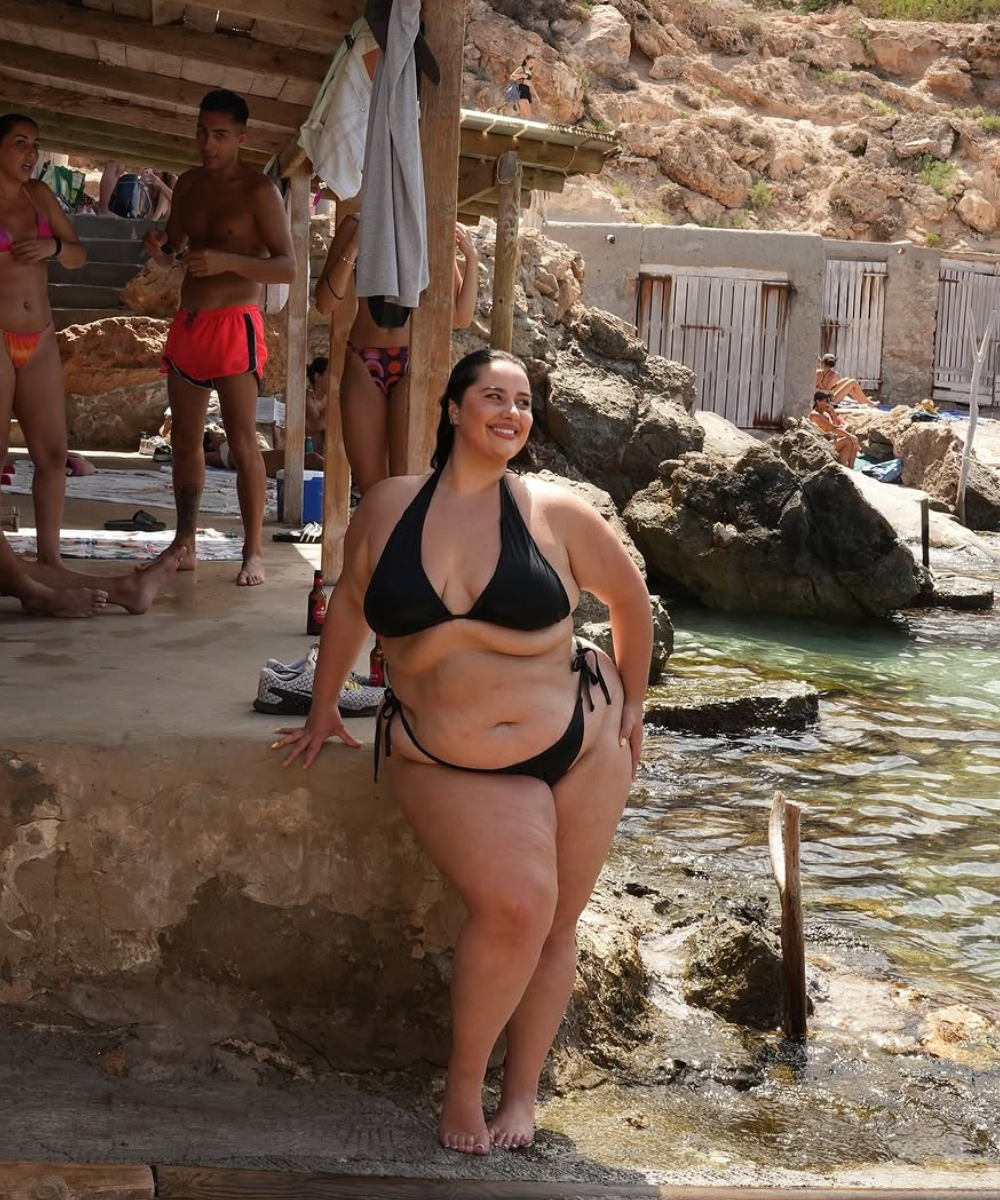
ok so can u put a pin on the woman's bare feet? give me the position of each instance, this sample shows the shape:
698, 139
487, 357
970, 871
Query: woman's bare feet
512, 1126
463, 1127
72, 602
252, 572
137, 591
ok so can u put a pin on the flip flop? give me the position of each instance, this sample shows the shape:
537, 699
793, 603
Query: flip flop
139, 522
313, 532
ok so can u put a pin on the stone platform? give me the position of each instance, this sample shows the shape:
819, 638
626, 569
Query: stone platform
162, 874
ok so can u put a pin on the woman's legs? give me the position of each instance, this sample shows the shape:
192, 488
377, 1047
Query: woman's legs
493, 836
40, 408
109, 177
399, 429
524, 109
589, 801
134, 591
365, 414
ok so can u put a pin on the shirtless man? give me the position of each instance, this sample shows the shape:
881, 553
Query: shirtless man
229, 222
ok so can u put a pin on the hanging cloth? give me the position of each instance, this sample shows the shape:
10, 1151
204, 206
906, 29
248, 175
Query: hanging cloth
335, 131
392, 248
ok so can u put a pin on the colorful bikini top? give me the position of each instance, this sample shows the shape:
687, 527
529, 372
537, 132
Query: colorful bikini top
525, 591
44, 229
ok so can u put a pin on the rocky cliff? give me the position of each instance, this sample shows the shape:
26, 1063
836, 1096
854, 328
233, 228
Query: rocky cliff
748, 115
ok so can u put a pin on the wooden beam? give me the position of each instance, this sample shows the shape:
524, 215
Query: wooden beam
25, 1180
330, 17
297, 346
90, 75
214, 49
105, 151
431, 324
206, 1183
533, 154
476, 177
336, 468
120, 113
154, 147
507, 256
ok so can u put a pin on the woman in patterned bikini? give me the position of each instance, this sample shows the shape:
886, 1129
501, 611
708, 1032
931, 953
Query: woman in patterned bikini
33, 230
375, 367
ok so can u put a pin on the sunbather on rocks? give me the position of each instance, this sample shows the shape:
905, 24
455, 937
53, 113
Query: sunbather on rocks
57, 592
825, 417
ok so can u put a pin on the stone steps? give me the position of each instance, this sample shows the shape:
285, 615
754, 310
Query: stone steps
114, 254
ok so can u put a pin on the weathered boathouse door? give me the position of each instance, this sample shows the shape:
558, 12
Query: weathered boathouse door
853, 316
730, 328
965, 290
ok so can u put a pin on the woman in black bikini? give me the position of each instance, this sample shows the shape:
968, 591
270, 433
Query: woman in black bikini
508, 744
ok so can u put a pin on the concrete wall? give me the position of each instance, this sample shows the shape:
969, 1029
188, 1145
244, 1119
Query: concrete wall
910, 320
613, 269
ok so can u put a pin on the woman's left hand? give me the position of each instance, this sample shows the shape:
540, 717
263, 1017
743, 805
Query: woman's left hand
631, 733
32, 250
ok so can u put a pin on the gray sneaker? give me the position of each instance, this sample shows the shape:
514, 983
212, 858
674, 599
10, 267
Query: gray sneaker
283, 695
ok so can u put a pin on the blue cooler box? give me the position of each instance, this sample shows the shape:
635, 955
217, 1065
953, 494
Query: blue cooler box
312, 496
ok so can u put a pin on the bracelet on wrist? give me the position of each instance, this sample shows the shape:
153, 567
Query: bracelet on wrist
58, 250
350, 261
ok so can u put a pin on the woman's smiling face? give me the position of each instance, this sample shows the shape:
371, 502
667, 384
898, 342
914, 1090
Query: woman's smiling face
494, 416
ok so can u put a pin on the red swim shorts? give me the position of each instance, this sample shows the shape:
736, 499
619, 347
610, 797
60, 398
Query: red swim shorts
203, 347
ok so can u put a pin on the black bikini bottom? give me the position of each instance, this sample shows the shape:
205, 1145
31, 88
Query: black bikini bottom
549, 766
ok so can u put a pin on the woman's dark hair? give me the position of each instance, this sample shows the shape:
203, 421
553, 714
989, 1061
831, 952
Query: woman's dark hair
10, 120
463, 375
222, 100
820, 395
318, 365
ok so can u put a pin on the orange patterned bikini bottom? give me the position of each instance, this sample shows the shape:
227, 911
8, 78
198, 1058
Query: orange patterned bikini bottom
21, 347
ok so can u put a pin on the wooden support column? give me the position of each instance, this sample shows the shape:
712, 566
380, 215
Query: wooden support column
506, 260
430, 334
296, 345
336, 469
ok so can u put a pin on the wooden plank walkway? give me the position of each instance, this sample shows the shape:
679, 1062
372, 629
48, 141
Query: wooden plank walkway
61, 1181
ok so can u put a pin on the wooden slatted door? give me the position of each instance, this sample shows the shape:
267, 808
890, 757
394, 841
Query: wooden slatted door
731, 330
853, 319
966, 290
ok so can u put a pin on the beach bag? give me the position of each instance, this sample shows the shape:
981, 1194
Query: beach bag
130, 198
512, 92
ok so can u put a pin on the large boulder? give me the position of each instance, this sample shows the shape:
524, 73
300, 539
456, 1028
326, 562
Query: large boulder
614, 420
694, 157
118, 352
932, 459
917, 135
752, 535
115, 419
155, 290
978, 212
604, 43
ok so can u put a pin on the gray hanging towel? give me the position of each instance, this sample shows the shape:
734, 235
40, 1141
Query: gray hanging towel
392, 247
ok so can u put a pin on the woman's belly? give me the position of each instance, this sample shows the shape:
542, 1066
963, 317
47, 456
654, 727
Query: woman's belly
479, 696
24, 297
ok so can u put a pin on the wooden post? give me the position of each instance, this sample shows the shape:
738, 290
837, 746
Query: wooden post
430, 333
296, 345
506, 257
336, 469
783, 838
979, 352
925, 531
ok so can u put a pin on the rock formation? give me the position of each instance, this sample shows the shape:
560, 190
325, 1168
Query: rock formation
797, 545
703, 92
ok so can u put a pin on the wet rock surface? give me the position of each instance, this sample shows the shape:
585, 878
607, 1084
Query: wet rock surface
731, 704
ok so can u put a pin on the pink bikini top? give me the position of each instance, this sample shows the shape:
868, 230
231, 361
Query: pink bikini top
44, 229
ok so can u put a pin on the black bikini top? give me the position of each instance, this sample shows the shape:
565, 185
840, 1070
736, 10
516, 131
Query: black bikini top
525, 591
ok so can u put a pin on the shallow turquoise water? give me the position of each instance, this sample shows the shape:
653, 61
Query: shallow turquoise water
900, 780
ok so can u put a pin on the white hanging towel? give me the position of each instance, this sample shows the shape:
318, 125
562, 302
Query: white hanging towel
336, 129
392, 248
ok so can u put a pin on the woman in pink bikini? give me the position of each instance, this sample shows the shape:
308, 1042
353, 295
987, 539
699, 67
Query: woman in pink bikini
378, 349
33, 230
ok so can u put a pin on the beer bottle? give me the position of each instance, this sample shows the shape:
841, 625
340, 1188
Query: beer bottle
316, 605
376, 664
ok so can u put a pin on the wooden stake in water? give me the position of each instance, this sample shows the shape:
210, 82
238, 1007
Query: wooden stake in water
783, 838
925, 531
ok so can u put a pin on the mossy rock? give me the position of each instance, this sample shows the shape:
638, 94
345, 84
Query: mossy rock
732, 705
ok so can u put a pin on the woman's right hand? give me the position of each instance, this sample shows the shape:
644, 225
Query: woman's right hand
307, 741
